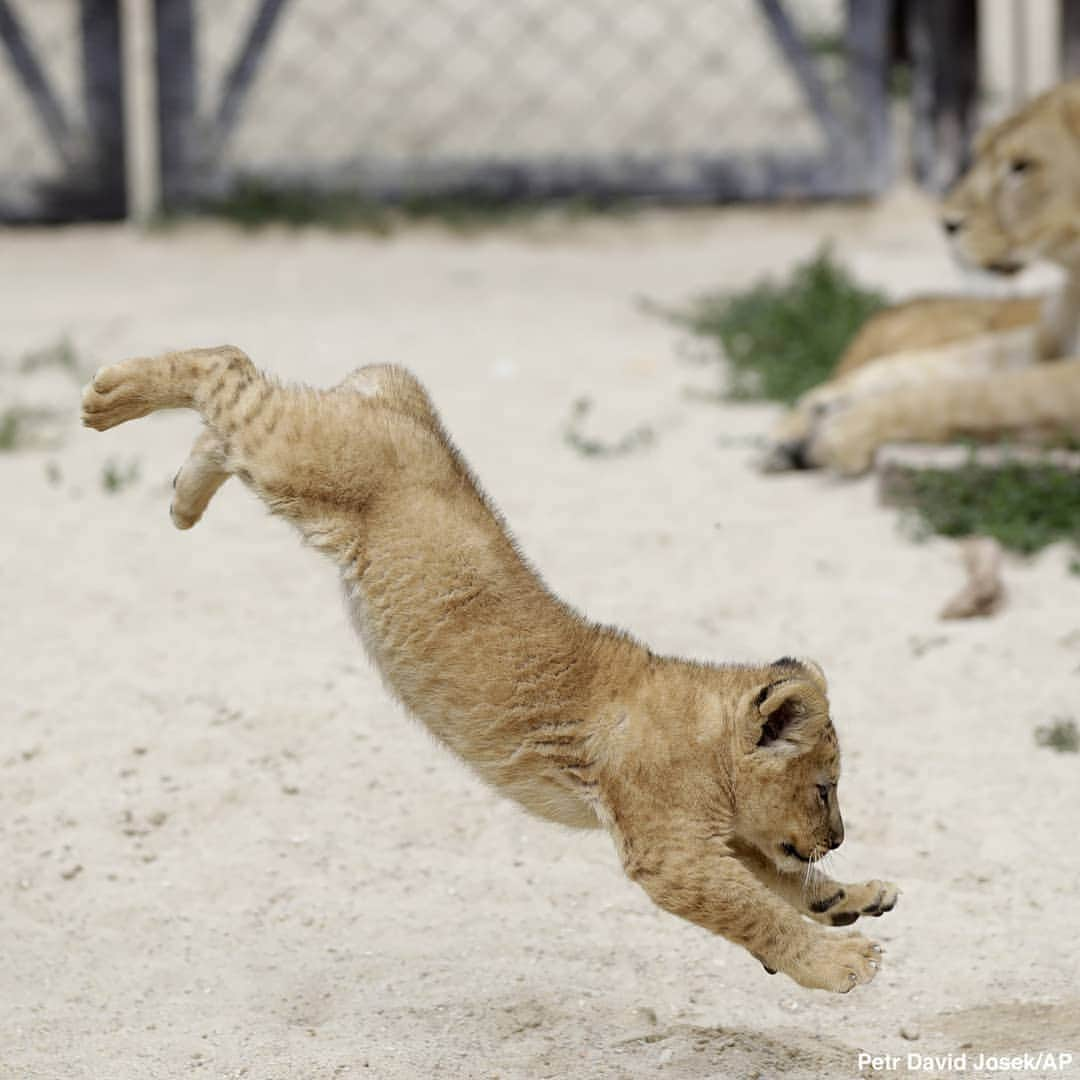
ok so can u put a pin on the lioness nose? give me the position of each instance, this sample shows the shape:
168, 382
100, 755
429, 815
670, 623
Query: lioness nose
952, 225
836, 837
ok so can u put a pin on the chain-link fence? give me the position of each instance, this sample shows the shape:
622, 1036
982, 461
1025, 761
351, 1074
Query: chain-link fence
390, 98
539, 97
61, 110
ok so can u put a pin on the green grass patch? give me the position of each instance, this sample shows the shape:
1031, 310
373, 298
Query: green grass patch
1060, 734
253, 204
781, 339
11, 429
1024, 506
23, 428
61, 355
116, 477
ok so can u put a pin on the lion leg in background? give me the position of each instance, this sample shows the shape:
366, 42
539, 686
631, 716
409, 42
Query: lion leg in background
1043, 401
817, 895
985, 355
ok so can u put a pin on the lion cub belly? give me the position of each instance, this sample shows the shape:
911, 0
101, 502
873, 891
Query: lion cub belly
525, 778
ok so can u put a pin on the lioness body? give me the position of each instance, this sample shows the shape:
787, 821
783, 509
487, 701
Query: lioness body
931, 322
938, 369
717, 783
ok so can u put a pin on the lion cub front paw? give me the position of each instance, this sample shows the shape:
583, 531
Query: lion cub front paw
837, 964
850, 902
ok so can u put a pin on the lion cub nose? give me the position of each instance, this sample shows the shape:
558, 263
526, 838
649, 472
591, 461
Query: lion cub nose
952, 225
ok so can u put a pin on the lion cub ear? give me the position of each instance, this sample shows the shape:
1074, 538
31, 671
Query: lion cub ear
794, 668
790, 716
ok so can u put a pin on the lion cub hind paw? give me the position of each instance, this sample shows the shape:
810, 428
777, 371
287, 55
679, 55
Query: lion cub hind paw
840, 964
115, 394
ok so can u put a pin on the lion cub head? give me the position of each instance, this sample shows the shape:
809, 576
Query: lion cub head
1020, 200
787, 768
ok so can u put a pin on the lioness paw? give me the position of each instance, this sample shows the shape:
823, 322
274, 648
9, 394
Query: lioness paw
837, 964
846, 444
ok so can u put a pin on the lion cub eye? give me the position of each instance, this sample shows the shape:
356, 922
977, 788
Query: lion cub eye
1021, 165
823, 791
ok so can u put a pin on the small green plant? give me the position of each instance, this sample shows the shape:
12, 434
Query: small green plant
1060, 734
22, 427
1023, 505
637, 439
116, 477
10, 423
782, 339
60, 355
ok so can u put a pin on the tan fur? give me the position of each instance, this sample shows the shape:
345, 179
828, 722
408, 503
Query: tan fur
717, 783
930, 322
1019, 202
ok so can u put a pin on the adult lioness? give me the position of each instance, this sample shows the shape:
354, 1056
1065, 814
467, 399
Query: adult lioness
717, 783
937, 369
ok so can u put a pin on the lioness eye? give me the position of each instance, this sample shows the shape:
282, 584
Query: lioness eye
1020, 165
823, 791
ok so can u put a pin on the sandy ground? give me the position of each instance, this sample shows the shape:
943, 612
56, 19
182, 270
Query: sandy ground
226, 851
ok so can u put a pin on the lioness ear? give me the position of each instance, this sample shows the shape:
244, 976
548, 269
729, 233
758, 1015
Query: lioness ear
790, 716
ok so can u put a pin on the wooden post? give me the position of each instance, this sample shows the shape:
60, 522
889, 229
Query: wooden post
140, 112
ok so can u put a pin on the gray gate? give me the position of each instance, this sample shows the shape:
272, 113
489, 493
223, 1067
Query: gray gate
61, 110
678, 99
675, 99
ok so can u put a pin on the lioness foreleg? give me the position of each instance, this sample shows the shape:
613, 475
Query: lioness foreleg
1040, 400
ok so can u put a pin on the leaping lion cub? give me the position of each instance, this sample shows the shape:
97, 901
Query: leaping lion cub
717, 783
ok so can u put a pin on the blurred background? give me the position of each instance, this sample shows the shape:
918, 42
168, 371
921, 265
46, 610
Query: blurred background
138, 108
224, 848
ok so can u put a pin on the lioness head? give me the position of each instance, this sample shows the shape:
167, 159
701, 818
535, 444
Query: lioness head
787, 769
1020, 200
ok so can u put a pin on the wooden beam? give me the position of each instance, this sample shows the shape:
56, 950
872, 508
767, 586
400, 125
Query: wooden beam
242, 74
32, 75
802, 65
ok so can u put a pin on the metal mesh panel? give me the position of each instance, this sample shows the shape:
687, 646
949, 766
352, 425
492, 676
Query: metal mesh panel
400, 96
696, 98
31, 156
60, 109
